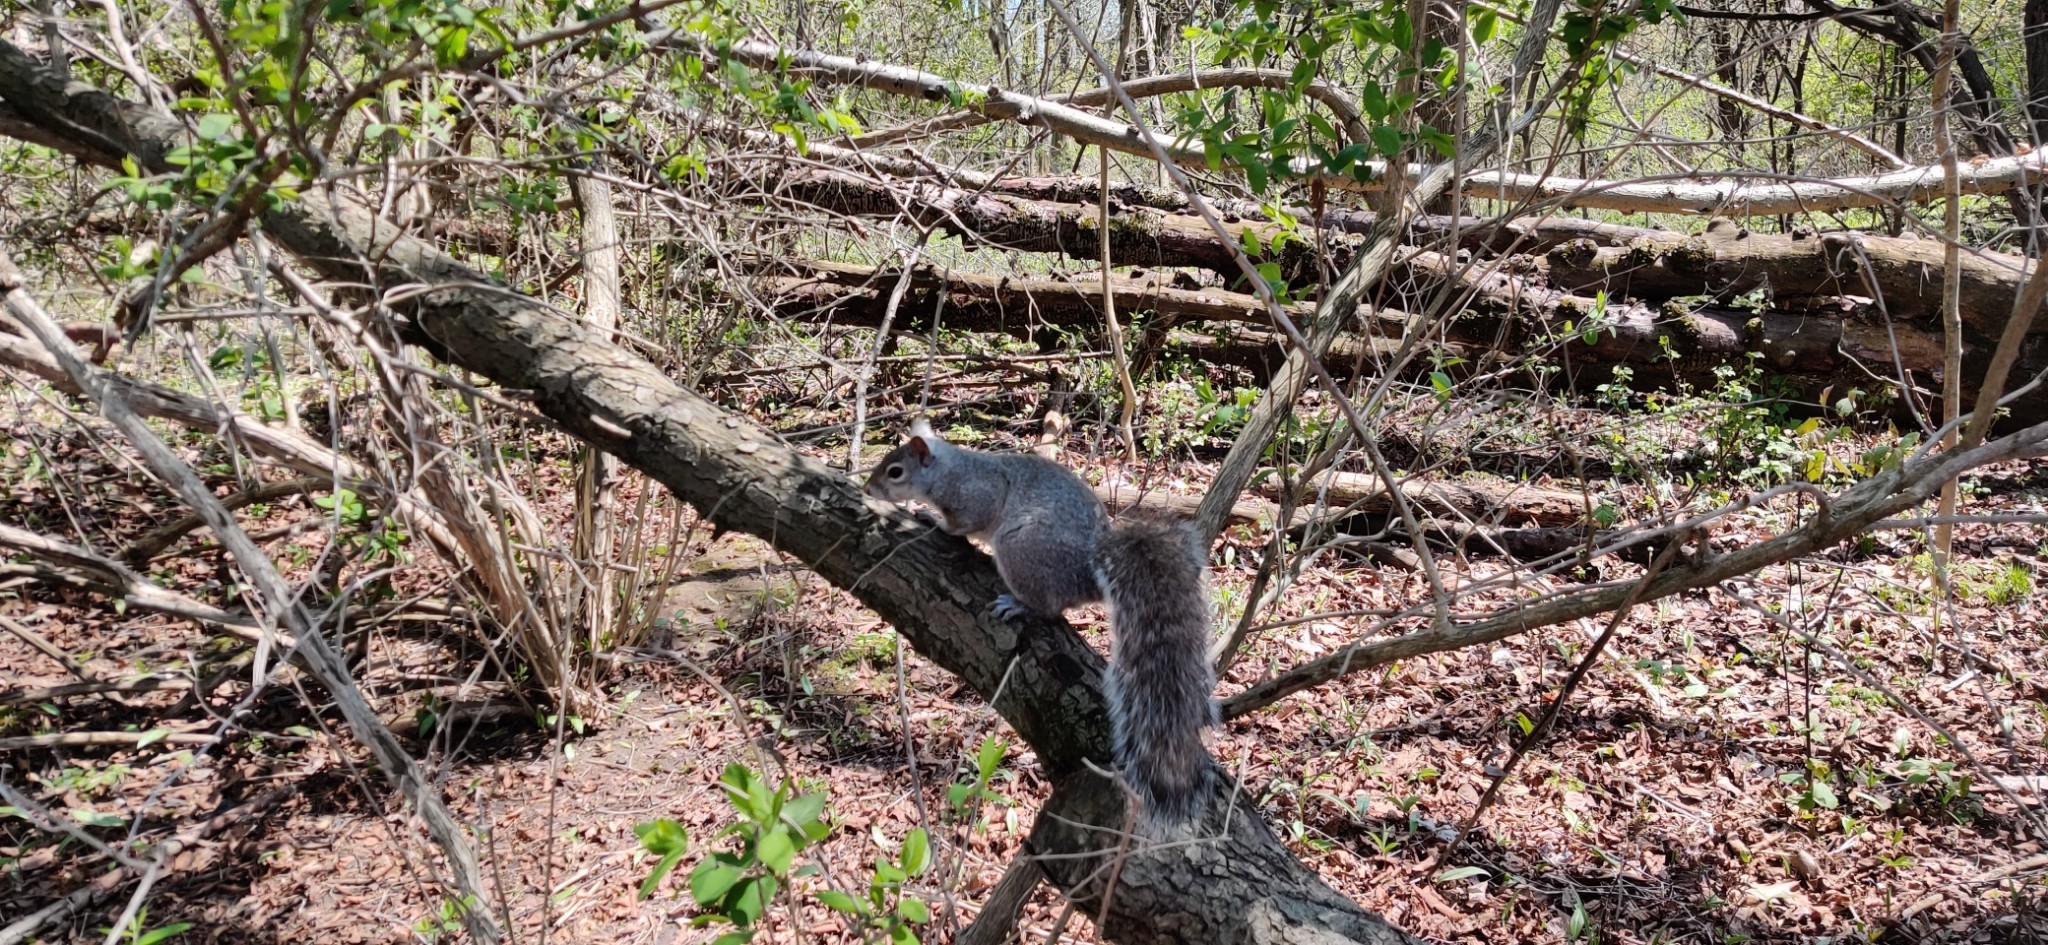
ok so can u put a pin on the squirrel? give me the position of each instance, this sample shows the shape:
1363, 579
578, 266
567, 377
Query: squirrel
1055, 549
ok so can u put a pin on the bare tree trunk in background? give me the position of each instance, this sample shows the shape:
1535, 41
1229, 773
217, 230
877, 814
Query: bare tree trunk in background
1951, 281
597, 488
2037, 68
53, 36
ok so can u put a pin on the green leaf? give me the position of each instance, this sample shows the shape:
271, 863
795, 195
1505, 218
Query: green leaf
216, 127
805, 810
162, 932
749, 900
748, 795
734, 938
913, 911
1484, 24
1823, 794
93, 818
710, 881
991, 755
1388, 140
776, 851
1375, 101
661, 870
662, 837
152, 736
841, 902
1442, 383
916, 852
1462, 872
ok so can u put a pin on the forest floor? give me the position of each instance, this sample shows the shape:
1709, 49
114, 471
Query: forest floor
1714, 780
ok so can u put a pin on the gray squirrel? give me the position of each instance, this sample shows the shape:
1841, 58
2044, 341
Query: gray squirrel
1056, 549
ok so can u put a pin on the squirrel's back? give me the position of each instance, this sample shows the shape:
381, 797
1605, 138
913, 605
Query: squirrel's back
1160, 683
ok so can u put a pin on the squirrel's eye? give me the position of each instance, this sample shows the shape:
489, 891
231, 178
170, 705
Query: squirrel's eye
895, 472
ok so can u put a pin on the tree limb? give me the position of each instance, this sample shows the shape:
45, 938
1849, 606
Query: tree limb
1845, 516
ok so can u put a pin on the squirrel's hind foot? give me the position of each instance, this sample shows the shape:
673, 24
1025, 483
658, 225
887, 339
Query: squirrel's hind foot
1007, 607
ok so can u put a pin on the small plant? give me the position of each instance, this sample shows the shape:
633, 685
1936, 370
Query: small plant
444, 922
2009, 585
1948, 786
888, 911
1578, 928
377, 536
1816, 792
138, 932
966, 798
1224, 412
774, 825
1383, 841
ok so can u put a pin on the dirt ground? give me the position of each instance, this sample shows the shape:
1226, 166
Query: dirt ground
1715, 779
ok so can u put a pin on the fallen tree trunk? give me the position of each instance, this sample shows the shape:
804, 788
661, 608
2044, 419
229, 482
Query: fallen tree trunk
1474, 497
1727, 261
1239, 885
1829, 270
1138, 236
1664, 346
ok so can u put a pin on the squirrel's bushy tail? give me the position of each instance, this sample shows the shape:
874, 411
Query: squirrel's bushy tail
1160, 683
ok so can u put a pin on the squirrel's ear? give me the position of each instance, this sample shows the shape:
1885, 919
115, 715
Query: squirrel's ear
921, 429
920, 450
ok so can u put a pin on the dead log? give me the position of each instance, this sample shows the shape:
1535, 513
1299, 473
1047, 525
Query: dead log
1019, 303
1727, 261
1138, 236
1825, 272
1501, 314
1473, 496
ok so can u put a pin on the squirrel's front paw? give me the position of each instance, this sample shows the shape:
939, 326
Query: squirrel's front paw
1007, 608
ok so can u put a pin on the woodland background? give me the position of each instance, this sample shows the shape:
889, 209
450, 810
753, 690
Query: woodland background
427, 511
